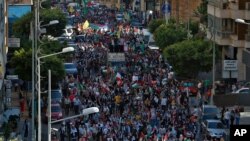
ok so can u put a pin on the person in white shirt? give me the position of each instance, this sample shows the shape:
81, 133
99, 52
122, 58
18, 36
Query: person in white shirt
164, 103
227, 118
77, 104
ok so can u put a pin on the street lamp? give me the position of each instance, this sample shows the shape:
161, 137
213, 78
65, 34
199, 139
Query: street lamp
241, 21
50, 23
64, 50
36, 30
86, 111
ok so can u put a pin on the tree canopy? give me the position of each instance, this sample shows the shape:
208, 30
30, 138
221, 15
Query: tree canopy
21, 27
22, 61
166, 35
190, 57
154, 24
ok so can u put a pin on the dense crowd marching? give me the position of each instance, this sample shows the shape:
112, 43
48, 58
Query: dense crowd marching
138, 99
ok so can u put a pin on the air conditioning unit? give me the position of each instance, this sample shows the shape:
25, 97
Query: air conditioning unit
248, 6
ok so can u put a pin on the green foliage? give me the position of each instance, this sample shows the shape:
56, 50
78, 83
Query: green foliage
48, 15
46, 4
154, 24
21, 27
201, 11
190, 57
166, 35
22, 61
194, 27
55, 64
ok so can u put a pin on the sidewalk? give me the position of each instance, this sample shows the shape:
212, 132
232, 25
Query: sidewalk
15, 102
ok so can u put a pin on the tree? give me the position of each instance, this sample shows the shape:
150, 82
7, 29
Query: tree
201, 11
190, 57
21, 27
48, 15
154, 24
166, 35
22, 62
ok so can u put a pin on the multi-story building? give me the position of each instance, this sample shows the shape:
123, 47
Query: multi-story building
183, 10
231, 38
3, 45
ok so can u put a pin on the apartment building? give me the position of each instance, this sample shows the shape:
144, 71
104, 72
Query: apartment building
231, 38
182, 10
3, 46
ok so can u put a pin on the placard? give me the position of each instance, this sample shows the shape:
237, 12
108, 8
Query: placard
116, 57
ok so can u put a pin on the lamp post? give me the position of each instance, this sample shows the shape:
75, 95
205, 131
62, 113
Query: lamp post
64, 50
85, 112
36, 30
213, 89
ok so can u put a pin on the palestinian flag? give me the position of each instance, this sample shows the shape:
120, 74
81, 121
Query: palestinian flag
135, 85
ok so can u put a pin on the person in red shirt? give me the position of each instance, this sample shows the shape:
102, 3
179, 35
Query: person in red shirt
71, 98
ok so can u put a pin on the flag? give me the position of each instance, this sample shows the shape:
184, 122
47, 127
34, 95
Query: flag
85, 25
135, 85
118, 76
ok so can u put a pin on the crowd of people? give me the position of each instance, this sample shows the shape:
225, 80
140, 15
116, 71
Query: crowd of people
138, 98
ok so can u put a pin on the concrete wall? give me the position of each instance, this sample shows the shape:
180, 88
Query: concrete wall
232, 100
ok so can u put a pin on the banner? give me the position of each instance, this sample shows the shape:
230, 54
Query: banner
116, 57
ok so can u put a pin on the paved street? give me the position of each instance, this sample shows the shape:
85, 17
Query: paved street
245, 116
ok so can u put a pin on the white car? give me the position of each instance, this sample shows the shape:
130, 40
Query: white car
242, 91
213, 129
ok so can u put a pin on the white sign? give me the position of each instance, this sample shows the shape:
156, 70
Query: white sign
230, 65
14, 42
12, 77
116, 57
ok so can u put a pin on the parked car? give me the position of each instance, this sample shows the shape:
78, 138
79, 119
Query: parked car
210, 112
152, 45
56, 96
213, 129
56, 112
242, 91
70, 68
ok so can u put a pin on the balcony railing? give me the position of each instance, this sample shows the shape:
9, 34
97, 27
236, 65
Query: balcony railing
247, 37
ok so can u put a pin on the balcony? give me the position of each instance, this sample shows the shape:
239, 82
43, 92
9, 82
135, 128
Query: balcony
221, 38
237, 14
220, 13
247, 14
247, 41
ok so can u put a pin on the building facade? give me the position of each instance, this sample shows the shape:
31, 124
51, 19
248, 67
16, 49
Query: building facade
183, 10
231, 38
3, 46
